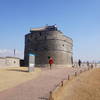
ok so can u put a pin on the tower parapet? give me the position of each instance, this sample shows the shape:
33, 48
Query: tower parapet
46, 28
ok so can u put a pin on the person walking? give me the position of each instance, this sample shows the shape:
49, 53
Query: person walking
91, 66
51, 61
87, 64
79, 63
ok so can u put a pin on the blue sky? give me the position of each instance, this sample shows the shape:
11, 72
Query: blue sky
79, 19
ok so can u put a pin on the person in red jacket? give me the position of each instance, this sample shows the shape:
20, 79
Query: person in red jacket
51, 61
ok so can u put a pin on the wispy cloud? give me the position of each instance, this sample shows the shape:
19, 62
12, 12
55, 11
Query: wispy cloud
9, 52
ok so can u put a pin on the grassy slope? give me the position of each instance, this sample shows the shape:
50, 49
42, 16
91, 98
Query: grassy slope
10, 77
84, 87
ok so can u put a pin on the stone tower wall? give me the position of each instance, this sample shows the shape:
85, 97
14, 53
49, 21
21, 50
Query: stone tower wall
49, 43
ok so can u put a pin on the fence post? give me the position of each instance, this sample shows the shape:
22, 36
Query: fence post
88, 68
62, 83
68, 77
75, 73
80, 71
50, 97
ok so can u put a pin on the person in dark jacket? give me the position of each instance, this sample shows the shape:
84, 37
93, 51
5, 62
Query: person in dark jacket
88, 64
79, 63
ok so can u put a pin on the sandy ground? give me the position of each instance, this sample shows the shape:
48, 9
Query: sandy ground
11, 77
86, 86
38, 88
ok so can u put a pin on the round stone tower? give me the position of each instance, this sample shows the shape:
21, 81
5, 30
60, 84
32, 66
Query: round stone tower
48, 41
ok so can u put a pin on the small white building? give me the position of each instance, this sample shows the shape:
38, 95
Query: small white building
9, 62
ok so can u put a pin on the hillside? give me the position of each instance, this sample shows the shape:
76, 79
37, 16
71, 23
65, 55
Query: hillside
86, 86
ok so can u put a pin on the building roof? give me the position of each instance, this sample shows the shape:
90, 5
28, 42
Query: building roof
38, 29
12, 57
53, 27
9, 57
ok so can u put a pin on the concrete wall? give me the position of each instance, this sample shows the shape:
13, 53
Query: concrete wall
49, 43
9, 62
2, 62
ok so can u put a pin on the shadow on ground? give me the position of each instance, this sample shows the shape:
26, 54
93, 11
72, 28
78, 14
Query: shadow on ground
19, 70
43, 98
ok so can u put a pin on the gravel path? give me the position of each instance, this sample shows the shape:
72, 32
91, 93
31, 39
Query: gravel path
38, 89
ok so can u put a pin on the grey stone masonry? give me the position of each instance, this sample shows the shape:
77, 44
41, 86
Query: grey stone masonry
48, 41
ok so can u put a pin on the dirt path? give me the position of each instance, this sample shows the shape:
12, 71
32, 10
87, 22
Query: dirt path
37, 89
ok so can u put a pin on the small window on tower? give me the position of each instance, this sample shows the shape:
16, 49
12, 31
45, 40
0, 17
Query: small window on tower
14, 62
28, 40
35, 49
31, 36
45, 37
63, 45
35, 38
45, 48
40, 33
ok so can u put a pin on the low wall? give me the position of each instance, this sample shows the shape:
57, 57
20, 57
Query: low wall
9, 62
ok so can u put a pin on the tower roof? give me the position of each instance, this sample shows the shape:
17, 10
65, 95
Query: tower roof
53, 27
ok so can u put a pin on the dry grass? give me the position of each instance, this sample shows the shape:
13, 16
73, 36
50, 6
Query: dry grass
10, 77
84, 87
